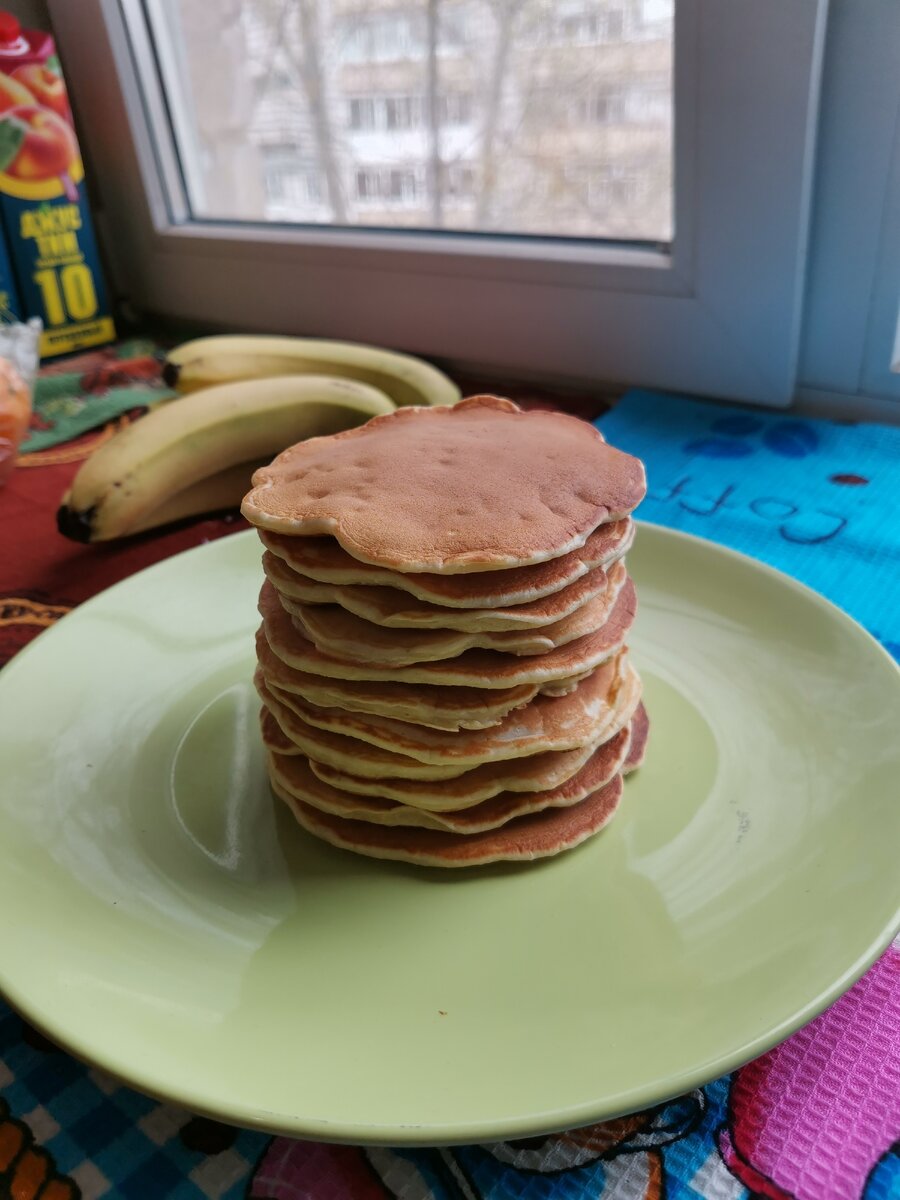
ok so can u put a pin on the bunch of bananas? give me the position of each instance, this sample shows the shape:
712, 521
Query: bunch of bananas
243, 400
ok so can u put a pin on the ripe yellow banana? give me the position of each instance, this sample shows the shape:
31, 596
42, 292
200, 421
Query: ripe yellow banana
213, 360
191, 438
223, 489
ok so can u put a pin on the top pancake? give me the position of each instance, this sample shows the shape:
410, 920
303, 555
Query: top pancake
477, 487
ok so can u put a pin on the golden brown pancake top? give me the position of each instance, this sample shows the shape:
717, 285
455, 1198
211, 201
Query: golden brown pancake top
476, 487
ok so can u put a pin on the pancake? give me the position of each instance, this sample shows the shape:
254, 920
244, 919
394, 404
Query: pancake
377, 760
436, 707
322, 559
274, 738
346, 753
538, 835
640, 731
540, 772
537, 773
419, 489
395, 609
474, 668
606, 699
294, 778
562, 687
336, 631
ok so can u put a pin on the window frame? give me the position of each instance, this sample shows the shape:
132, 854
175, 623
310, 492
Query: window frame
716, 313
853, 284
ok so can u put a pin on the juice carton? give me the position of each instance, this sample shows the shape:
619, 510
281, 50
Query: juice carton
10, 307
43, 205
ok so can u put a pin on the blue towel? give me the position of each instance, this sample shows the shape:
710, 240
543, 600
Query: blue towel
819, 500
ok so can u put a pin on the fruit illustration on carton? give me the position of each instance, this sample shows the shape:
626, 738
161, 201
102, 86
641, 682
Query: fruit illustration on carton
47, 86
43, 207
36, 143
13, 93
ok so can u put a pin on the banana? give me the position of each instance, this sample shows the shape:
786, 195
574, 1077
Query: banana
189, 439
222, 489
213, 360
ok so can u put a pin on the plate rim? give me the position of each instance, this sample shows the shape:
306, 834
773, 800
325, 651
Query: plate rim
260, 1120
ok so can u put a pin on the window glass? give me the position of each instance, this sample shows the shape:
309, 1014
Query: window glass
545, 117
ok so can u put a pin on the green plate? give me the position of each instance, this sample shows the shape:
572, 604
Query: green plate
165, 919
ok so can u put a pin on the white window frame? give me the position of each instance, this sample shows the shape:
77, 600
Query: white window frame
853, 282
718, 313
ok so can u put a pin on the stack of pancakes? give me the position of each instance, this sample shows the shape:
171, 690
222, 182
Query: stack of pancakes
442, 658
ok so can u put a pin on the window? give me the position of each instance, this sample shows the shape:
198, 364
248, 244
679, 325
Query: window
589, 26
289, 186
367, 37
454, 108
402, 112
386, 112
647, 101
662, 240
641, 100
461, 182
454, 31
601, 106
389, 186
604, 186
362, 113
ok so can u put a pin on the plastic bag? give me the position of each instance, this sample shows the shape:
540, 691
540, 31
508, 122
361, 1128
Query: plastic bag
18, 367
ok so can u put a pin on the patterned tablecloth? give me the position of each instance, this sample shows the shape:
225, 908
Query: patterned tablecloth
817, 1118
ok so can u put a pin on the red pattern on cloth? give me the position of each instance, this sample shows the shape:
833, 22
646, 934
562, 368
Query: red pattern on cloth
38, 564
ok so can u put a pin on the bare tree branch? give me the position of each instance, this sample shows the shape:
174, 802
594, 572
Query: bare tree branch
306, 62
505, 13
279, 22
435, 166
